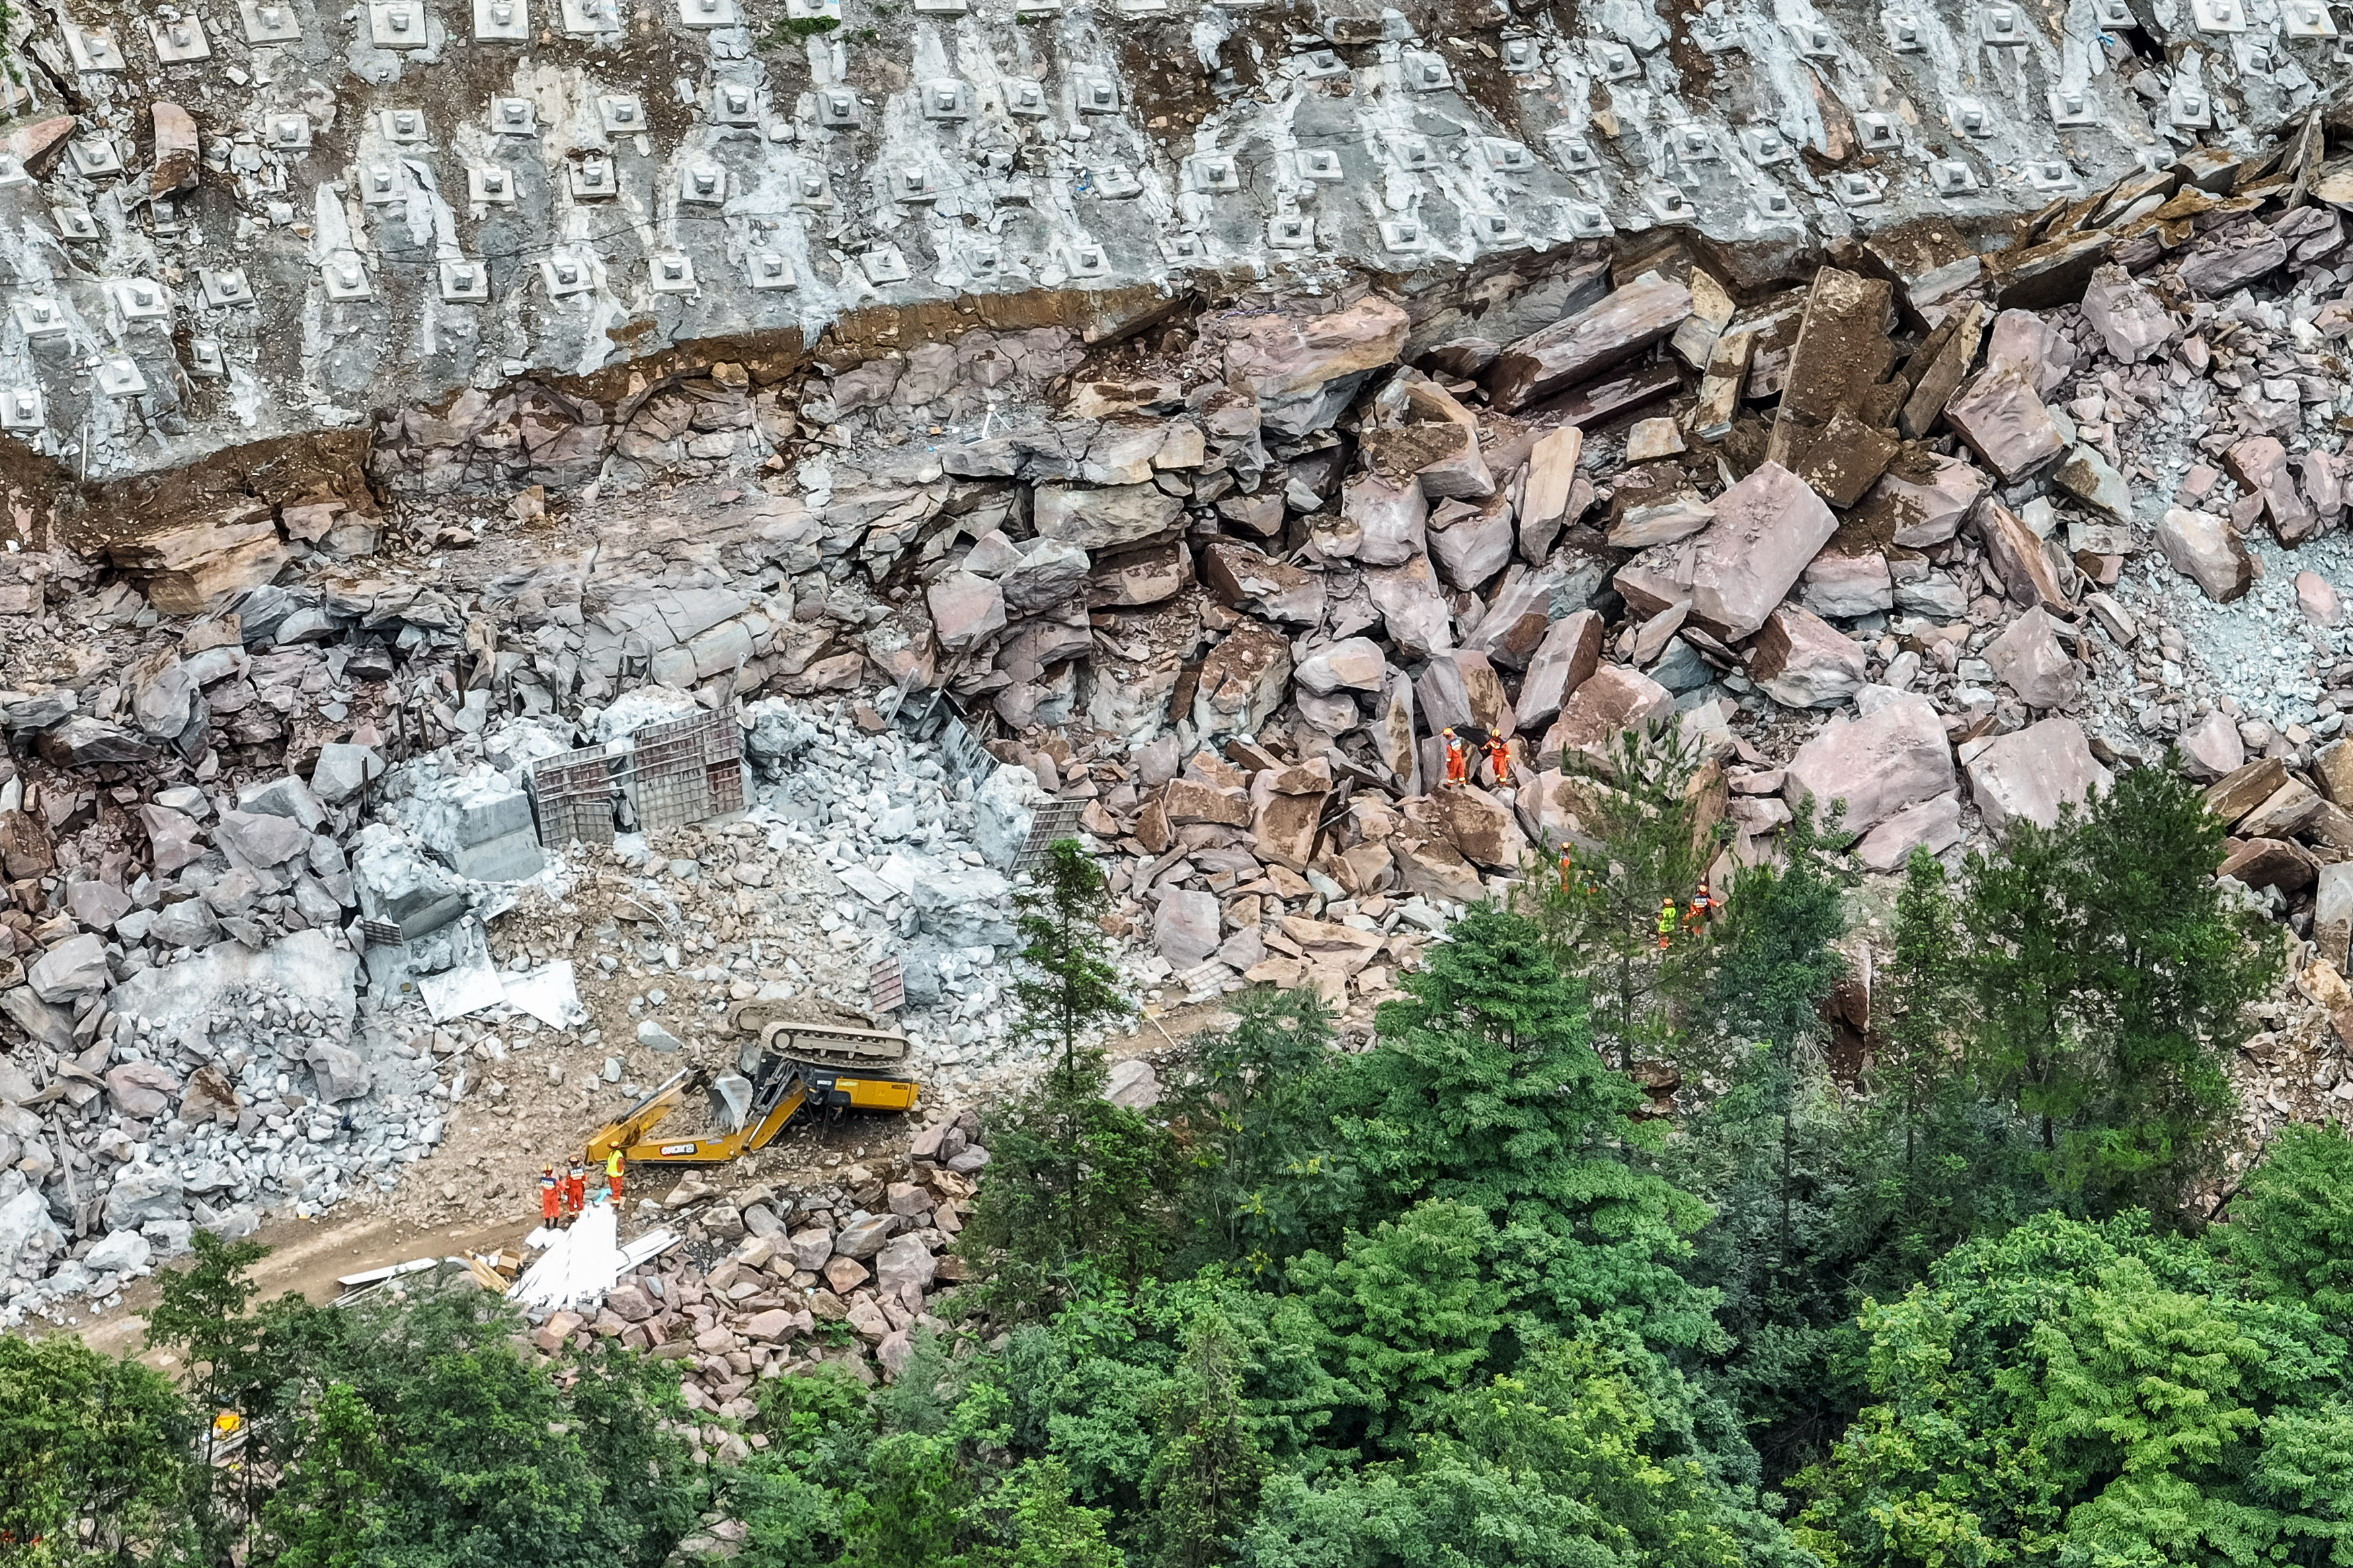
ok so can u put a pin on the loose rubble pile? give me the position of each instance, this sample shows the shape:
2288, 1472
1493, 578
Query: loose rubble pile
305, 887
841, 1271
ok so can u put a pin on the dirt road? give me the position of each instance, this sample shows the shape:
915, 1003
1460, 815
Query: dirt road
307, 1256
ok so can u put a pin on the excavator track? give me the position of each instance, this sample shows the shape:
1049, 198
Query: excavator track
787, 1030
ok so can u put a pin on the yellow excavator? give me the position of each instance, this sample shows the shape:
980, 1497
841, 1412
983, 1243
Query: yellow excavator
791, 1062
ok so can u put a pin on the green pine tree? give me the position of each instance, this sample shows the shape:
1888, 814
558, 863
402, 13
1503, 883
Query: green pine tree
1204, 1483
1486, 1090
1076, 1188
1643, 844
327, 1512
1068, 983
2109, 975
1268, 1172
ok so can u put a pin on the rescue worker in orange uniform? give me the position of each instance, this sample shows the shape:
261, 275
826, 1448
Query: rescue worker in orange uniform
1455, 764
1499, 759
575, 1191
1703, 907
550, 1195
1567, 860
613, 1175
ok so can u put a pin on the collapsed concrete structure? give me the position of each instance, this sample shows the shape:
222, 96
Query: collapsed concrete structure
452, 647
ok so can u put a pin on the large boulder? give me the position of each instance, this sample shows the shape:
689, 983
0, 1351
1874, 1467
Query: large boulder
1051, 574
1416, 617
142, 1194
1297, 363
2001, 417
2207, 551
71, 970
1768, 528
967, 609
1003, 808
1243, 682
2030, 660
28, 1235
342, 771
2213, 748
1353, 664
1382, 524
1933, 825
2260, 465
1570, 654
2129, 316
122, 1252
905, 1262
1472, 543
1610, 701
143, 1090
1800, 660
1186, 929
1482, 829
2030, 774
1107, 518
1893, 756
862, 1238
340, 1073
261, 839
1248, 580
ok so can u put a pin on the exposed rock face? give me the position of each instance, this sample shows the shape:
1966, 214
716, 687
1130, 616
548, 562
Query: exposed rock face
1108, 550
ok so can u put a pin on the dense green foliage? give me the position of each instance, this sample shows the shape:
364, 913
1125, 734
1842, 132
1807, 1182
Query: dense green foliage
2091, 1394
1458, 1297
1436, 1279
86, 1437
388, 1433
